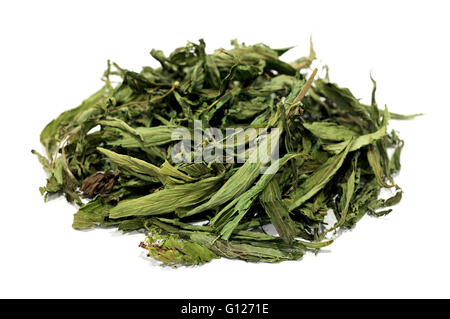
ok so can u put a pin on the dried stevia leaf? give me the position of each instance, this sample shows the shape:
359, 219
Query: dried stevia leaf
98, 183
136, 153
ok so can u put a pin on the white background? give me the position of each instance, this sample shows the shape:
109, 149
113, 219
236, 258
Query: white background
52, 55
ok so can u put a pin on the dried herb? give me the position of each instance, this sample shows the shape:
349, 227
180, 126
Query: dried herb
98, 183
146, 168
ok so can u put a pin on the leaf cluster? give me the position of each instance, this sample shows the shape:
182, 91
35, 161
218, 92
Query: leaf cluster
114, 149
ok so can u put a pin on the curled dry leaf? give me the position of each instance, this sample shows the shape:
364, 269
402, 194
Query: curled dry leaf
99, 183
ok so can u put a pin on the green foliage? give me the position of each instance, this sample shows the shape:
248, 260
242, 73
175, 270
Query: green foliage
333, 155
171, 249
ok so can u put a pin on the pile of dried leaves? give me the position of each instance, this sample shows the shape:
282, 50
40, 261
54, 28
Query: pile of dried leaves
115, 149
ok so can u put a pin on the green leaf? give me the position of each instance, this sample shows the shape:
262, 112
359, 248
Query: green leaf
168, 199
362, 140
51, 134
330, 131
318, 179
278, 212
